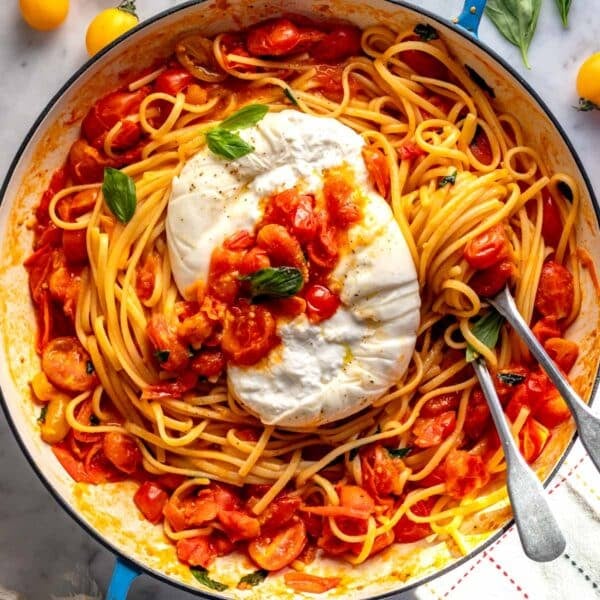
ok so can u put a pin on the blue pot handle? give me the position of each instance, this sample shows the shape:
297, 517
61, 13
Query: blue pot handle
122, 577
470, 17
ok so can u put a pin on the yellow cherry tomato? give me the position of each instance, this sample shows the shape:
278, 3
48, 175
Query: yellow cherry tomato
42, 14
108, 25
588, 79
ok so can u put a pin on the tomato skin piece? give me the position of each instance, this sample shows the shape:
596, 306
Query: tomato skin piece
273, 551
532, 439
378, 169
321, 303
440, 404
173, 80
65, 363
555, 294
407, 531
312, 584
432, 431
342, 209
552, 411
341, 43
150, 499
552, 226
488, 248
239, 525
275, 37
410, 150
323, 249
196, 551
122, 451
488, 282
248, 334
563, 352
282, 248
481, 148
75, 468
465, 473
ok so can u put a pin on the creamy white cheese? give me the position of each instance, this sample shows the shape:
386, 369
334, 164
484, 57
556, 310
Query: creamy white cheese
319, 373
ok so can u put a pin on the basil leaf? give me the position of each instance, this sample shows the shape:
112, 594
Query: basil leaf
486, 330
511, 378
480, 81
89, 367
290, 96
448, 179
162, 355
245, 117
563, 8
226, 144
398, 452
42, 418
251, 579
201, 575
274, 282
426, 32
516, 20
586, 105
119, 194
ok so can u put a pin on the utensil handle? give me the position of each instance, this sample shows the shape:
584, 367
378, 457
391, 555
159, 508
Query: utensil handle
122, 577
540, 535
470, 17
588, 424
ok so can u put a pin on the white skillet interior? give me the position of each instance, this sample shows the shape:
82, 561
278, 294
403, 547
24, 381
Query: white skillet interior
108, 510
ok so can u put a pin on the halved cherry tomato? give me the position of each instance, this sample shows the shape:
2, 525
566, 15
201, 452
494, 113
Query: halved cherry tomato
481, 148
282, 249
275, 37
248, 334
313, 584
563, 352
294, 211
223, 282
488, 248
86, 163
196, 551
532, 439
280, 511
531, 394
546, 328
209, 363
440, 404
465, 473
239, 525
122, 451
253, 261
74, 245
407, 531
380, 472
553, 410
173, 388
555, 294
338, 45
277, 549
378, 169
488, 282
67, 365
150, 498
552, 226
321, 303
323, 249
433, 430
173, 80
173, 354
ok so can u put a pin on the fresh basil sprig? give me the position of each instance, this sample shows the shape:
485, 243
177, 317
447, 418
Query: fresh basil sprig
223, 139
274, 282
201, 575
398, 452
486, 330
119, 194
252, 579
426, 32
511, 378
448, 179
516, 20
564, 6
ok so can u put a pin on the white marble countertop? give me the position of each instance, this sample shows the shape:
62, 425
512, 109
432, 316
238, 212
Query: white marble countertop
43, 552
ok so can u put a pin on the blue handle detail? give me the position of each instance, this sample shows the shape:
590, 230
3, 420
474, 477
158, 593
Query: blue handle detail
470, 17
122, 577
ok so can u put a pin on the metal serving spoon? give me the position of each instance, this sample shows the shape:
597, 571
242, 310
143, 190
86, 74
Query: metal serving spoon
588, 424
538, 530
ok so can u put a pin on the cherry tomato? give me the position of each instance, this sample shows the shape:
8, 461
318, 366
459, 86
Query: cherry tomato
378, 169
342, 208
546, 328
86, 164
555, 294
145, 277
488, 248
488, 282
294, 211
43, 15
337, 45
552, 226
424, 64
173, 80
55, 426
208, 363
238, 525
253, 261
196, 552
109, 24
282, 248
563, 352
172, 354
223, 281
465, 473
280, 511
431, 431
275, 37
107, 112
323, 249
74, 245
477, 417
248, 334
122, 451
440, 404
380, 472
552, 411
273, 551
150, 498
407, 531
480, 147
532, 439
321, 303
67, 365
588, 79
